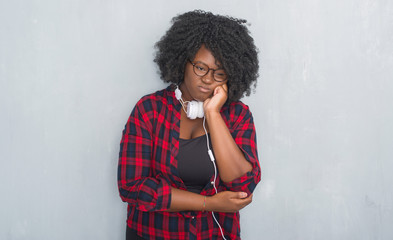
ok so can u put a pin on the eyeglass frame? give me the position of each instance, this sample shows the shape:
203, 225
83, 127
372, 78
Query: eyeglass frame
208, 70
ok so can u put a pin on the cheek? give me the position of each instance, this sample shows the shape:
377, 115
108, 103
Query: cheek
188, 76
218, 84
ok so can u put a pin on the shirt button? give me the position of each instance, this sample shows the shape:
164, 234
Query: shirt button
192, 217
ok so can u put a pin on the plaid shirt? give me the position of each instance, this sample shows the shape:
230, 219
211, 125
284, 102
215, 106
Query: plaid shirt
148, 169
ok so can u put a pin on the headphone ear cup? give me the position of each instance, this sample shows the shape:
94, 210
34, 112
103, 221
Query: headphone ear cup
195, 110
191, 109
200, 110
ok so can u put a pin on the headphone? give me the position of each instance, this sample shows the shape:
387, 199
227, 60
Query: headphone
194, 108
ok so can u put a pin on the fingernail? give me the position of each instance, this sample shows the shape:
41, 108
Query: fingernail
243, 194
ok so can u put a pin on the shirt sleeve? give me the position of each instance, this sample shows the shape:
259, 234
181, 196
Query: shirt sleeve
136, 184
243, 132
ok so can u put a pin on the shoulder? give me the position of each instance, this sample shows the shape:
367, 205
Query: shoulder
235, 109
156, 100
236, 114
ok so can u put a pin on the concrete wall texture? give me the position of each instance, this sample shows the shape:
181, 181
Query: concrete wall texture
71, 72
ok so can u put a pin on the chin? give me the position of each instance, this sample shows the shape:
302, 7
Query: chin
202, 98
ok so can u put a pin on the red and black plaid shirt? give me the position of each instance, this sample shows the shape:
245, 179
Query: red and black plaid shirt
148, 169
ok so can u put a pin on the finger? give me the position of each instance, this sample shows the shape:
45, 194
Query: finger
246, 201
241, 195
234, 195
249, 198
241, 204
206, 101
225, 87
216, 90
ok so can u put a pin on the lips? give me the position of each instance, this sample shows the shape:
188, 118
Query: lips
203, 89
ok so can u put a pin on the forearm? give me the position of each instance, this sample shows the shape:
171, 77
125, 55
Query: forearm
226, 201
182, 200
230, 159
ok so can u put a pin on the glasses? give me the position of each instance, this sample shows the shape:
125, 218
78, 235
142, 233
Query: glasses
202, 69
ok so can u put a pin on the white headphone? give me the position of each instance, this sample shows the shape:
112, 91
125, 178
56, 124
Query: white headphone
194, 108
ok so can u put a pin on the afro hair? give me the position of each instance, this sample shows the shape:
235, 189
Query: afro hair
227, 38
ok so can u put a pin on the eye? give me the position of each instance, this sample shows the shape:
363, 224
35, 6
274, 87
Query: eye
200, 67
220, 74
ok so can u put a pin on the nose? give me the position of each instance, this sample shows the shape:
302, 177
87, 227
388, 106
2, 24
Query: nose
208, 78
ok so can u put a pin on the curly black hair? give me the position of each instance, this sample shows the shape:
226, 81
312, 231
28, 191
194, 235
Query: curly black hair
227, 38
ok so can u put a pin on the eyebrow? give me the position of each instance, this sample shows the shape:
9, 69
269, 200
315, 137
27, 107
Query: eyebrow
215, 62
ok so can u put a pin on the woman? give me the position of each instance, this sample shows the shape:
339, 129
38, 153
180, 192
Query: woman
167, 173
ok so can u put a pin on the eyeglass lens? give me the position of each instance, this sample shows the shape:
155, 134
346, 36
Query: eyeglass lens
202, 69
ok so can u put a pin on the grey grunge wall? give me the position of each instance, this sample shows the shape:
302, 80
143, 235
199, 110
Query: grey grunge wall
71, 72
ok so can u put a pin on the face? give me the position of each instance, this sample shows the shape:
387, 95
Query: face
199, 88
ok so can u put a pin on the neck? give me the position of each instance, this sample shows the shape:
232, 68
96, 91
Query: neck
185, 95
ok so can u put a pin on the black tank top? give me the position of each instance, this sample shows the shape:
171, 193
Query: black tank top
193, 163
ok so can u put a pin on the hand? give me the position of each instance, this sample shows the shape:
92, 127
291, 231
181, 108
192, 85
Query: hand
228, 201
214, 104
